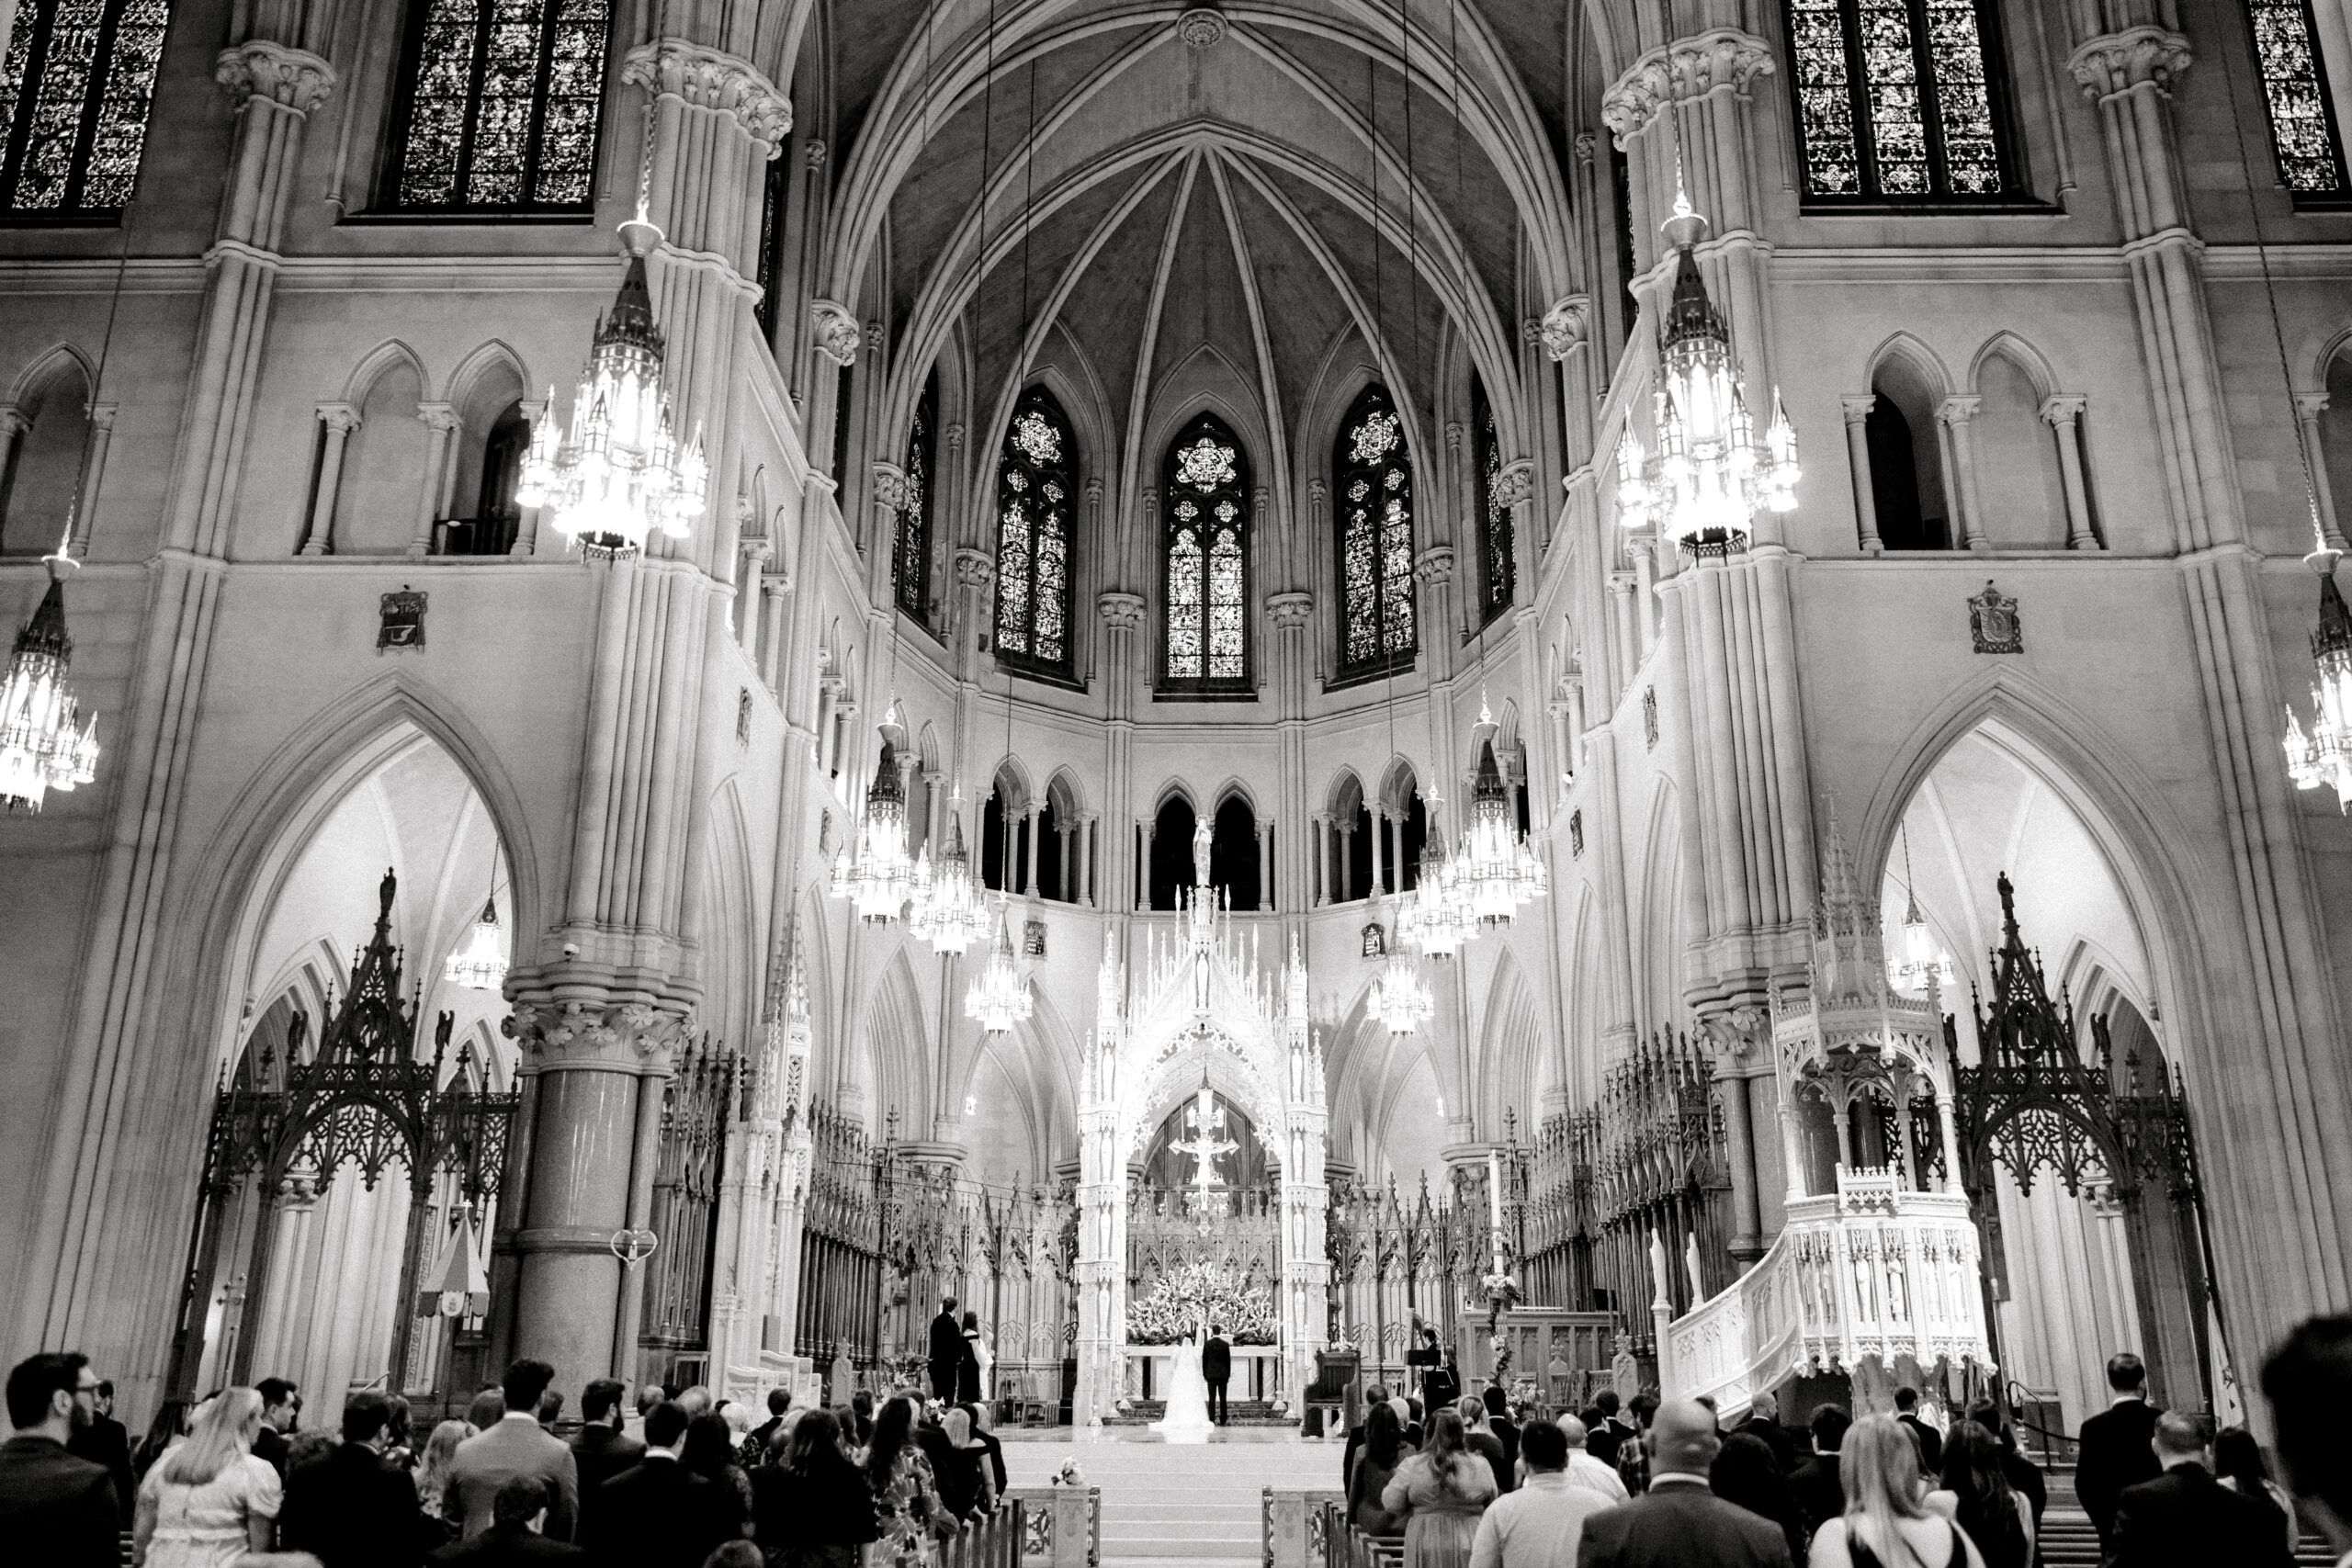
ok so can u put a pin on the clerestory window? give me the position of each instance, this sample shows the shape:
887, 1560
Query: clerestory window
1372, 480
2303, 132
499, 106
1033, 485
1899, 101
1205, 613
76, 87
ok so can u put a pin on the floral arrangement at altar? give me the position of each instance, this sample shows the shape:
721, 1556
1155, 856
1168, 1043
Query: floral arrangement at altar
1192, 1294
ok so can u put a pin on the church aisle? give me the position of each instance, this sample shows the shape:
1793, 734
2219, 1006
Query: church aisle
1184, 1505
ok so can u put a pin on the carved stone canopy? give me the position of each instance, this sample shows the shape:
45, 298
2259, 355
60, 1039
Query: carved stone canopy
1687, 68
711, 80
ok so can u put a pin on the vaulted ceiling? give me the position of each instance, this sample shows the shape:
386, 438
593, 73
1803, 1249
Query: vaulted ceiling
1156, 200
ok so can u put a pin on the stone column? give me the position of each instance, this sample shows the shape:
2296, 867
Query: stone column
527, 528
1265, 865
1036, 829
828, 692
1322, 859
340, 420
1379, 862
14, 426
439, 421
1347, 888
747, 596
777, 586
1069, 861
1955, 415
85, 510
2309, 406
1145, 828
934, 806
1644, 552
596, 1073
1858, 462
1086, 830
2063, 415
1621, 591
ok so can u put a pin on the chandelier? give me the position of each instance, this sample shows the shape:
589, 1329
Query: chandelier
40, 746
1709, 476
620, 473
880, 879
998, 997
1400, 999
1496, 871
1921, 967
1433, 917
2325, 756
949, 912
481, 965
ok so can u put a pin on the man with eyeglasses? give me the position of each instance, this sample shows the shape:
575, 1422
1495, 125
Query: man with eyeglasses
54, 1509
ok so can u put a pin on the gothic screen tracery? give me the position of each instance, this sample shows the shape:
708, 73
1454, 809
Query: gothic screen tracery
1373, 479
1498, 562
1033, 558
1206, 561
75, 87
1898, 100
499, 106
911, 562
2294, 88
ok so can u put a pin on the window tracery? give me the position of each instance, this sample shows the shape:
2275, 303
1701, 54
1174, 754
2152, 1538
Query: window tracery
2294, 89
1033, 557
76, 87
1898, 100
911, 562
1373, 477
1207, 577
499, 106
1498, 560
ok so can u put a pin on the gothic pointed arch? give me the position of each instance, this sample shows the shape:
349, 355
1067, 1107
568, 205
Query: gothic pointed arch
1035, 506
1372, 489
1204, 563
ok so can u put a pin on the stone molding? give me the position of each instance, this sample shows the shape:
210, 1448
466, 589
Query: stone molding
1516, 482
1120, 611
974, 568
1436, 566
2116, 63
1201, 28
708, 79
617, 1036
1687, 68
890, 486
838, 334
1288, 610
292, 78
1564, 326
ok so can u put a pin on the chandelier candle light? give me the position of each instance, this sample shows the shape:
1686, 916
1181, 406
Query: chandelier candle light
2325, 756
1496, 871
999, 998
880, 879
1709, 476
480, 965
41, 746
620, 473
949, 911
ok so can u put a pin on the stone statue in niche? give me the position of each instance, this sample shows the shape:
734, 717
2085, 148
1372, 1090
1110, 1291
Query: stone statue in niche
402, 620
1203, 834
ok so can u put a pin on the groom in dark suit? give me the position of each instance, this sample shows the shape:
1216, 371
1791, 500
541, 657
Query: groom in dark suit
948, 1350
1216, 1370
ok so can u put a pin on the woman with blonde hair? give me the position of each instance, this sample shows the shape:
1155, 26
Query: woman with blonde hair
431, 1474
211, 1500
1887, 1524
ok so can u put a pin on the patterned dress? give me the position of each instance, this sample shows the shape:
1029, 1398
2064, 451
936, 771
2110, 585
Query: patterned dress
904, 1507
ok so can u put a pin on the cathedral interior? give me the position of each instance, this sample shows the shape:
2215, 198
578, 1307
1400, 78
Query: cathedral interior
1323, 661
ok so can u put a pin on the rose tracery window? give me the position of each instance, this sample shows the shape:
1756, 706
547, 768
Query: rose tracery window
1372, 482
75, 87
1206, 620
499, 106
910, 561
2294, 88
1899, 100
1032, 556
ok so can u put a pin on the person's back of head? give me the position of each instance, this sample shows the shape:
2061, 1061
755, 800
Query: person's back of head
2180, 1438
710, 1447
35, 1383
1544, 1445
551, 1408
1746, 1473
488, 1408
1572, 1427
2126, 1374
601, 1400
1497, 1402
1605, 1401
1376, 1395
1907, 1399
1987, 1415
734, 1554
440, 1451
519, 1503
814, 1450
2308, 1380
1879, 1466
648, 1396
666, 1425
524, 1382
1472, 1409
779, 1400
1971, 1470
2238, 1457
1643, 1407
366, 1417
1444, 1447
697, 1400
1683, 1438
1383, 1435
1829, 1427
222, 1434
947, 1304
1766, 1408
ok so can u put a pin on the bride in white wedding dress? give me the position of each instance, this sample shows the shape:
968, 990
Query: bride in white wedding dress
1186, 1419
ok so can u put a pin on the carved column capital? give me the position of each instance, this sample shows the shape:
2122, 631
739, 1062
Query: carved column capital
1687, 68
1455, 432
709, 79
838, 334
953, 435
1858, 406
1436, 566
615, 1037
292, 78
756, 551
342, 418
974, 568
2116, 63
1564, 326
1120, 611
1516, 482
890, 486
1288, 610
2064, 408
1958, 409
436, 417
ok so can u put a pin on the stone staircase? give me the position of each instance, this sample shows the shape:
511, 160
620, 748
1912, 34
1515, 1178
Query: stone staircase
2068, 1542
1183, 1505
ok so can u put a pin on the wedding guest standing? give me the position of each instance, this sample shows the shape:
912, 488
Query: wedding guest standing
55, 1508
1441, 1492
1885, 1517
1678, 1522
812, 1510
1376, 1460
946, 1350
212, 1499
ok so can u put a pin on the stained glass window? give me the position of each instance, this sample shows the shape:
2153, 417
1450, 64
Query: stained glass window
1498, 560
1897, 100
910, 563
74, 90
2294, 86
1371, 478
500, 104
1033, 485
1206, 626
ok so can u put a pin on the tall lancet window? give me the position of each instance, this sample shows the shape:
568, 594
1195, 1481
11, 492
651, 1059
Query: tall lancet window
1033, 486
1899, 100
75, 87
498, 106
1498, 550
1373, 478
1206, 624
2294, 87
910, 561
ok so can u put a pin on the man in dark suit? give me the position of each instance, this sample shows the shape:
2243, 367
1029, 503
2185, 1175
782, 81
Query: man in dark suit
55, 1510
350, 1509
948, 1350
514, 1537
1764, 1423
1820, 1491
2308, 1381
2114, 1450
1679, 1522
658, 1514
601, 1450
756, 1440
281, 1406
103, 1441
1604, 1431
1931, 1442
2187, 1516
1216, 1370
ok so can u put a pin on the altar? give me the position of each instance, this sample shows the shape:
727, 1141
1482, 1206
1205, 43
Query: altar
1257, 1371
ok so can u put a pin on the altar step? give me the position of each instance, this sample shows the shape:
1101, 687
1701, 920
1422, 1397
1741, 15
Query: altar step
1240, 1413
